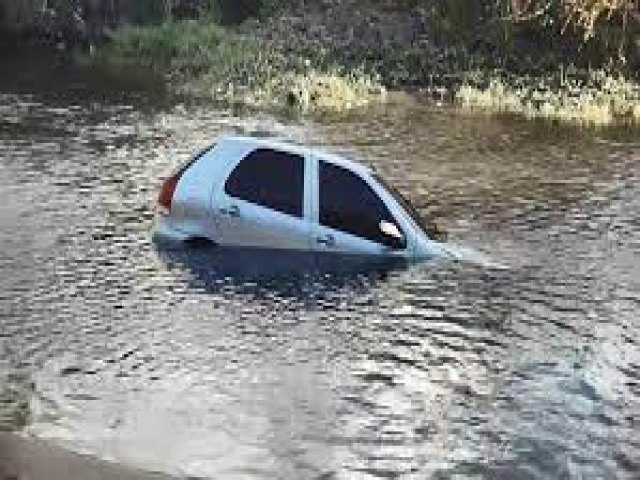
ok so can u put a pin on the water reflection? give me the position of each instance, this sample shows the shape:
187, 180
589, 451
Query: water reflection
280, 273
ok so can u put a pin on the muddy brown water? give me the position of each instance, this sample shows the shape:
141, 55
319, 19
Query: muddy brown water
522, 362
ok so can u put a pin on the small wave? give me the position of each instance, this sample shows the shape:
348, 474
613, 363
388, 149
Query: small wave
470, 255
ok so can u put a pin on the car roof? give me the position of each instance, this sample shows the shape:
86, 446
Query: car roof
300, 150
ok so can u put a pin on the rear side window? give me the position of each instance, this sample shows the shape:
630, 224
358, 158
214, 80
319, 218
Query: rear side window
270, 179
349, 204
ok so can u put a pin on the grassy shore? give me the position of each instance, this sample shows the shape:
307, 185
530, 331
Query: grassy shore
204, 59
344, 57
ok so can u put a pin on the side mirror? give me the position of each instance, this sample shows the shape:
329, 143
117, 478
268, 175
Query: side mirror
391, 230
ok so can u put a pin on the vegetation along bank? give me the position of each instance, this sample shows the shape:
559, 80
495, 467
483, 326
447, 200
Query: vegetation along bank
574, 61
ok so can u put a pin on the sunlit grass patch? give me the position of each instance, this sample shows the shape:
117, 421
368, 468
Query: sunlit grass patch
598, 100
324, 91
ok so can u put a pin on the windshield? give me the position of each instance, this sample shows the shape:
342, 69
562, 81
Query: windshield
408, 207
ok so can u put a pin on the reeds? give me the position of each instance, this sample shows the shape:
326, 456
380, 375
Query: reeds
600, 99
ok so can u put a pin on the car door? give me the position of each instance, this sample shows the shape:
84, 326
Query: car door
349, 215
261, 202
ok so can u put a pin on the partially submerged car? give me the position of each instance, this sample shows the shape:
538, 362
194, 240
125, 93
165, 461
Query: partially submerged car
249, 192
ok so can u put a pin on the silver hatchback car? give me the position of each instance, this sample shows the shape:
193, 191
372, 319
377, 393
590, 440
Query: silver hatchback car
248, 192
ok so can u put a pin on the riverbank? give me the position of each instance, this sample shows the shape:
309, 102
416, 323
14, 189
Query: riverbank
204, 60
26, 458
336, 56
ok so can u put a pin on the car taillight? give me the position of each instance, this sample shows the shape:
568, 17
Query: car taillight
166, 193
168, 189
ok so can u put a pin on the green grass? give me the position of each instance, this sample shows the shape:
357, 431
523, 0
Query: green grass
176, 48
200, 57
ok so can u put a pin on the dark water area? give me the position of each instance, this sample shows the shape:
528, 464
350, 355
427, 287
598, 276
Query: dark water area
53, 75
521, 362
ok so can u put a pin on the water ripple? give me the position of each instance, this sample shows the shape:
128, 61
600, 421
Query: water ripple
191, 362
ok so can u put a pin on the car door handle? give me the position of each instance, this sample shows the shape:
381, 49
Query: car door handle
326, 240
232, 211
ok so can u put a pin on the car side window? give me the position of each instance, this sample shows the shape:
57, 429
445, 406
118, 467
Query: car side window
271, 179
349, 204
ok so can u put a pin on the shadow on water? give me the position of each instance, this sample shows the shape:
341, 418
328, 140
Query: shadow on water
301, 275
56, 77
16, 390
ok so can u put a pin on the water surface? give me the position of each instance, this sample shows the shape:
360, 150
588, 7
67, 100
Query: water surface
189, 362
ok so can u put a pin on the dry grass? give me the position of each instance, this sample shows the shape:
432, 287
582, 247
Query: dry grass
600, 101
325, 91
